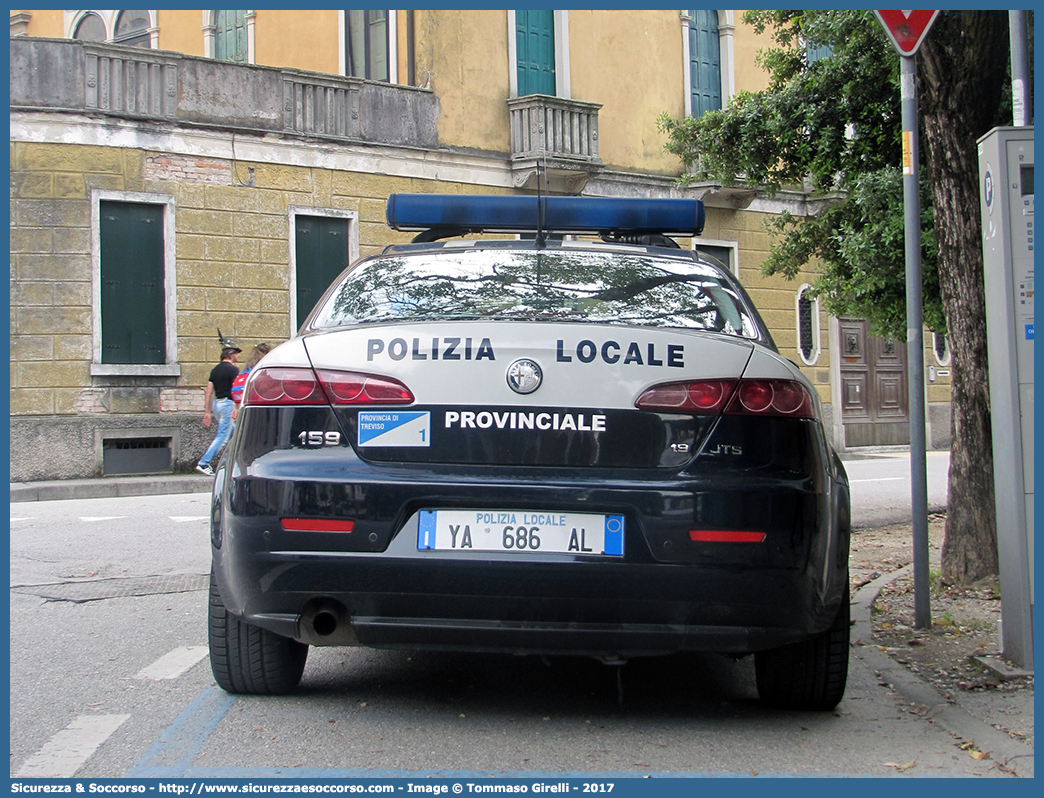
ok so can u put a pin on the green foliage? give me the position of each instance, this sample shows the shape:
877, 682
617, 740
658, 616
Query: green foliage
835, 124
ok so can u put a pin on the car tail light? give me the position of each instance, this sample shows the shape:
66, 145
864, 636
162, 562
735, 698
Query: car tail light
705, 396
725, 536
317, 525
351, 388
284, 386
279, 385
784, 398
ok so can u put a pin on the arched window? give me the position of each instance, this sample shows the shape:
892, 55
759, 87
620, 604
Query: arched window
941, 349
132, 27
807, 326
230, 36
90, 29
704, 62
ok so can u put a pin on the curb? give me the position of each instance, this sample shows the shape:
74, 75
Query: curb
952, 717
64, 489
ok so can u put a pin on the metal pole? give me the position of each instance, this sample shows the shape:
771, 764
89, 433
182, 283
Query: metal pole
1021, 99
915, 343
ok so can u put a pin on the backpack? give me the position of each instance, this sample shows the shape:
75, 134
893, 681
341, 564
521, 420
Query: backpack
237, 386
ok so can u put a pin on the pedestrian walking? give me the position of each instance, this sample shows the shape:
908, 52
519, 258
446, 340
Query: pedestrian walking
217, 403
239, 382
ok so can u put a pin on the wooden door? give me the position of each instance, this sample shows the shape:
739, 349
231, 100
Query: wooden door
874, 392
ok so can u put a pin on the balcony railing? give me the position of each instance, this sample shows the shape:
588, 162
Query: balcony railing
553, 140
168, 87
130, 82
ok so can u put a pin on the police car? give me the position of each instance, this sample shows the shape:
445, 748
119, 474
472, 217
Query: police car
541, 443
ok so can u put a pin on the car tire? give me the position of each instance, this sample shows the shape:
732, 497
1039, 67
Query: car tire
248, 659
811, 674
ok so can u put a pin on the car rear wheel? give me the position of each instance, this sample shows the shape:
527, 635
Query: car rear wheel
248, 659
809, 675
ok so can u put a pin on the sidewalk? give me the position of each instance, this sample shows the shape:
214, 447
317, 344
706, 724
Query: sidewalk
974, 720
107, 487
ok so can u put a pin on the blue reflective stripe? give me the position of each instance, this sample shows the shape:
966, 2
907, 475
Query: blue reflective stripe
426, 530
614, 527
509, 214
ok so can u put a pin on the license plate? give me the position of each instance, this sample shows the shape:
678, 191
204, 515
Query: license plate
520, 531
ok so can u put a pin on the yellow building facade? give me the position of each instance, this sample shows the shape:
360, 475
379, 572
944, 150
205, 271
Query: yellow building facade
237, 128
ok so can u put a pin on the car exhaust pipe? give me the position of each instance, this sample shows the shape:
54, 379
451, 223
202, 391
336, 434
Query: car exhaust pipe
326, 622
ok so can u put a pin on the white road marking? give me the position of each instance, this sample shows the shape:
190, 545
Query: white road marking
64, 753
13, 519
879, 479
174, 663
92, 518
179, 519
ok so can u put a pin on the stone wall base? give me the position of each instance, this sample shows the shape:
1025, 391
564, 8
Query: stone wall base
79, 447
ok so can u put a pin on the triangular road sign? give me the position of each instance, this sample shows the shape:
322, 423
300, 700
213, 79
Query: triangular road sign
906, 29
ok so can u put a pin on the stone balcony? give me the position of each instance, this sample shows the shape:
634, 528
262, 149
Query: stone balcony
553, 140
167, 87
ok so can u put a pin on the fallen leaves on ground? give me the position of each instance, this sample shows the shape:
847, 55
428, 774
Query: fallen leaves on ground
901, 768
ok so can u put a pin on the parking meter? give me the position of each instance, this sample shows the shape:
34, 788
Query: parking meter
1006, 195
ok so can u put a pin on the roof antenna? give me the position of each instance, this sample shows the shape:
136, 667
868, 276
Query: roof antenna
541, 235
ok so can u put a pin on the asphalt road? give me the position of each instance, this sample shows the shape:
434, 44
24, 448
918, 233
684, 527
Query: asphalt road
109, 678
881, 489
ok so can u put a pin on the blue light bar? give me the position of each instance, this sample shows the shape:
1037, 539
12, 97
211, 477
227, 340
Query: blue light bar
570, 215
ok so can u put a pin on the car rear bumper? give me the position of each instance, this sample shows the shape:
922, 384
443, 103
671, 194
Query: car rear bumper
373, 587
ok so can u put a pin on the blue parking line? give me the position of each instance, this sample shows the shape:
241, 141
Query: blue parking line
171, 755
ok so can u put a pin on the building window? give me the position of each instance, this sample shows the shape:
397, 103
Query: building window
132, 307
704, 62
941, 348
134, 284
807, 326
367, 45
135, 28
538, 53
90, 29
322, 245
721, 253
535, 52
813, 54
132, 27
230, 36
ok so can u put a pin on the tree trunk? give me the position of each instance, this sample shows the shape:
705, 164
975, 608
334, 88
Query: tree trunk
961, 77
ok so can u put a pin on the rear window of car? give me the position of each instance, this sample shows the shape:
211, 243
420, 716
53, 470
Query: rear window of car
545, 285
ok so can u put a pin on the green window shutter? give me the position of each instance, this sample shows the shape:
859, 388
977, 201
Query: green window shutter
720, 256
321, 246
230, 39
704, 62
814, 54
535, 52
133, 317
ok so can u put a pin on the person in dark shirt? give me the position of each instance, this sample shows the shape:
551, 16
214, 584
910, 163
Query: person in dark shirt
218, 403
